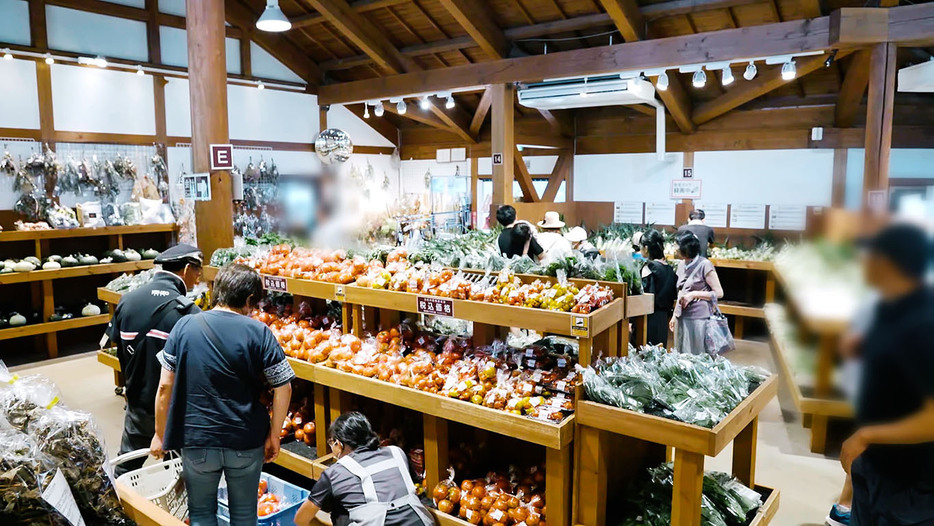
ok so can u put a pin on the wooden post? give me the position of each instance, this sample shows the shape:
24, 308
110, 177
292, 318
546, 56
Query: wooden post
879, 103
207, 81
590, 499
503, 143
744, 453
474, 193
688, 485
357, 323
321, 420
436, 450
558, 485
822, 386
688, 203
38, 30
839, 178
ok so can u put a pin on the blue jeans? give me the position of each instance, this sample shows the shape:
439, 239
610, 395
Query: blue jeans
202, 468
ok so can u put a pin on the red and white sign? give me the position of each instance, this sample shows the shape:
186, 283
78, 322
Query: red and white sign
221, 157
435, 306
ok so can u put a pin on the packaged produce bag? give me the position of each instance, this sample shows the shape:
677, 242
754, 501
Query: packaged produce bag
90, 214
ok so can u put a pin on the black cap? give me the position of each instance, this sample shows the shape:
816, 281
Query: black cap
181, 253
906, 245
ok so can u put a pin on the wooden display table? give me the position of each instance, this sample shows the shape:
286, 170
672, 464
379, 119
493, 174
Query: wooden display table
615, 446
749, 307
820, 403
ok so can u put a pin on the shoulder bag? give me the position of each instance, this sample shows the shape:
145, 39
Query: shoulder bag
717, 338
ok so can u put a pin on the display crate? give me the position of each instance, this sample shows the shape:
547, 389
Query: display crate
614, 443
749, 308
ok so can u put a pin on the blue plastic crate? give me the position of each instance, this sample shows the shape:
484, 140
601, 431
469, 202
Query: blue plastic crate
291, 497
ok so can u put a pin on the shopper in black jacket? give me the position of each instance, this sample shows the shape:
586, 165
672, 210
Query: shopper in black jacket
658, 278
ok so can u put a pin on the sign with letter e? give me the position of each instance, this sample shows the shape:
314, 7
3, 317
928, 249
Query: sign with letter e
221, 157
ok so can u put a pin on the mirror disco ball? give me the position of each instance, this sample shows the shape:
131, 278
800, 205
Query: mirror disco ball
333, 146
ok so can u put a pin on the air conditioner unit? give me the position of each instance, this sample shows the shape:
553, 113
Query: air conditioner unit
592, 92
598, 92
918, 78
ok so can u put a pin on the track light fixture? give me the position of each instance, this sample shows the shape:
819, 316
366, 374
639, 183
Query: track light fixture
260, 85
139, 70
727, 78
48, 59
7, 55
662, 82
400, 107
449, 104
424, 103
366, 111
99, 61
378, 110
585, 93
789, 70
700, 79
831, 58
750, 72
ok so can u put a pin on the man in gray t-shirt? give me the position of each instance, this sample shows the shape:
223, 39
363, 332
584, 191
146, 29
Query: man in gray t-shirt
697, 227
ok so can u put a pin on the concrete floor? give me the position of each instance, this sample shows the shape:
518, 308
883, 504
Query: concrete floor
809, 483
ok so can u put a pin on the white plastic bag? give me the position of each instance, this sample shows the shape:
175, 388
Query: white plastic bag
90, 214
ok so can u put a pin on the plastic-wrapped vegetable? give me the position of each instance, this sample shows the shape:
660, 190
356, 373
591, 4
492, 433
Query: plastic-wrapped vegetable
24, 472
696, 389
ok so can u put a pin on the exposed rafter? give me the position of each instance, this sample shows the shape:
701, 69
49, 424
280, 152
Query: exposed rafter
559, 174
382, 126
483, 109
524, 178
626, 17
360, 6
476, 19
852, 90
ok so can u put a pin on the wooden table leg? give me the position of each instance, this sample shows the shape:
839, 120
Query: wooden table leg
823, 385
357, 314
585, 352
370, 319
612, 339
738, 327
819, 425
346, 318
321, 420
744, 453
688, 487
436, 450
558, 485
770, 289
591, 488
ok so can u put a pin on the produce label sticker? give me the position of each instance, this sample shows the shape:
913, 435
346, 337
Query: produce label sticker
435, 306
580, 326
58, 494
339, 292
275, 283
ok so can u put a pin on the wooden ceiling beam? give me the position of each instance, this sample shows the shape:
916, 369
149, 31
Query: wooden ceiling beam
524, 178
744, 92
276, 44
559, 174
626, 17
483, 109
683, 7
852, 90
678, 103
560, 123
366, 36
456, 119
477, 20
361, 6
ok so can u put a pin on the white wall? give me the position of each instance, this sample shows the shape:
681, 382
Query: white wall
174, 47
904, 163
625, 177
266, 66
172, 7
94, 34
271, 115
105, 101
360, 133
19, 100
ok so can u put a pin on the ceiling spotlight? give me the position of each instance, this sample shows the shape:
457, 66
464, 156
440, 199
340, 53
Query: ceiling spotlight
700, 79
48, 59
750, 72
378, 110
139, 71
662, 82
789, 71
424, 103
400, 107
450, 102
830, 59
273, 19
366, 111
99, 61
727, 78
260, 85
7, 55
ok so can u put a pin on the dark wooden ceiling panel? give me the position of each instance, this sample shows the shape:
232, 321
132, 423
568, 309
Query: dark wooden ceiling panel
442, 18
714, 20
753, 14
509, 13
579, 7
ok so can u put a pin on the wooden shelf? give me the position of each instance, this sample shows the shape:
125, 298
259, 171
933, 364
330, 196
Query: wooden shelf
53, 326
74, 272
739, 309
766, 266
807, 405
673, 433
109, 360
554, 436
108, 295
769, 507
29, 235
817, 324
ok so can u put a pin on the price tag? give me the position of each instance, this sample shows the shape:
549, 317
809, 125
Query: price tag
530, 363
561, 386
275, 283
529, 352
58, 494
435, 306
339, 292
580, 326
562, 362
496, 514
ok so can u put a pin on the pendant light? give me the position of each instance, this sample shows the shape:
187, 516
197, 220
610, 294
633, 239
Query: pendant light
789, 71
662, 82
273, 19
700, 79
750, 72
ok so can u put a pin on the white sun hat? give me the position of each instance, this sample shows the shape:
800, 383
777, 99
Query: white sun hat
552, 220
576, 235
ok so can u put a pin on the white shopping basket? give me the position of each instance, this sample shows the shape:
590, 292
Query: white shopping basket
160, 483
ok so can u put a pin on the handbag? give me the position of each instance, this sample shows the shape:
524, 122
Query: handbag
717, 337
